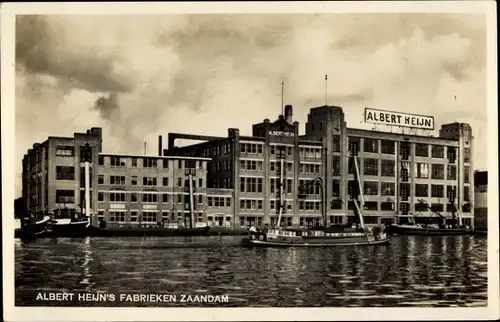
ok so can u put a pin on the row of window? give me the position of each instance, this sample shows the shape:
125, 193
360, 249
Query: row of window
216, 150
147, 197
146, 181
219, 202
148, 162
220, 165
144, 217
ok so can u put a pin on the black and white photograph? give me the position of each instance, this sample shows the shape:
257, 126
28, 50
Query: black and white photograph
203, 161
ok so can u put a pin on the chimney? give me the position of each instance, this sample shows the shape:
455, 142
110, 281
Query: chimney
160, 146
288, 113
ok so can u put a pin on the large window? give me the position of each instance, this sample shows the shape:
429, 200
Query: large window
65, 151
149, 197
371, 167
438, 151
65, 173
421, 150
250, 184
336, 188
387, 188
117, 161
149, 217
466, 193
467, 155
370, 205
438, 171
437, 190
149, 163
251, 148
149, 181
388, 168
421, 190
371, 188
117, 180
370, 145
251, 165
422, 170
388, 147
65, 196
117, 196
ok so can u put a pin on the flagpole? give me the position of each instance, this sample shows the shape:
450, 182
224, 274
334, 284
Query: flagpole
282, 93
326, 90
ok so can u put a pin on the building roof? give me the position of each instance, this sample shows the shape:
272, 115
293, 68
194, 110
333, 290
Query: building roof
176, 157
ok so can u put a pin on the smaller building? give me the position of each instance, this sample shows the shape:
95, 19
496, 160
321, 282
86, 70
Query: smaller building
139, 190
481, 200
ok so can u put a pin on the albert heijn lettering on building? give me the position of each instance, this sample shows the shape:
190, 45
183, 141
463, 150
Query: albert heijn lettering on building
376, 116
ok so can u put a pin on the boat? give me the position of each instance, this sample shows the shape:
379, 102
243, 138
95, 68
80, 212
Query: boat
430, 229
68, 227
426, 230
31, 229
147, 231
319, 237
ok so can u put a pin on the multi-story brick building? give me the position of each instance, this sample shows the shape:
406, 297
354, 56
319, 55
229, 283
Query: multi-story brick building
151, 190
53, 173
249, 164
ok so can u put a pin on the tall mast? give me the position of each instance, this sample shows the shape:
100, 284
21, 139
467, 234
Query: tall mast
281, 156
282, 96
326, 90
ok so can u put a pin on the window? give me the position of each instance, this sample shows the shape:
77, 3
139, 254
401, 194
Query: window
200, 182
387, 206
370, 205
438, 151
336, 188
437, 207
149, 163
421, 206
117, 197
387, 188
65, 151
149, 217
451, 172
466, 174
165, 181
466, 193
100, 196
165, 163
388, 147
100, 179
115, 216
370, 145
388, 168
421, 190
117, 180
65, 196
200, 199
149, 197
101, 160
134, 162
336, 143
437, 190
421, 150
421, 170
65, 173
117, 161
467, 155
165, 197
371, 167
179, 198
149, 181
371, 188
250, 184
452, 154
134, 216
437, 171
336, 165
133, 197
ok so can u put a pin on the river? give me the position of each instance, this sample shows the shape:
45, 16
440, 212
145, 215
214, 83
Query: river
414, 271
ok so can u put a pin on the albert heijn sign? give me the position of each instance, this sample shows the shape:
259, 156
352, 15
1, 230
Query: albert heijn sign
281, 133
391, 118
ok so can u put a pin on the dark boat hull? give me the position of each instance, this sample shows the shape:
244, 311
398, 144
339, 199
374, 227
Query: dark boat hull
152, 232
32, 231
71, 230
307, 243
400, 230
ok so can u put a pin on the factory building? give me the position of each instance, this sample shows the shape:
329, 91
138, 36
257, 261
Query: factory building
404, 177
53, 173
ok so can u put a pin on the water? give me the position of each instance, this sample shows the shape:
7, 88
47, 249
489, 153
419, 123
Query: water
413, 271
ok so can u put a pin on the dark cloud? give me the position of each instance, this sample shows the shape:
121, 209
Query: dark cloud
108, 106
41, 49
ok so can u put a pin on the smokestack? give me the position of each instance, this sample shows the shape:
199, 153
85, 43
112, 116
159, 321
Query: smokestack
160, 146
288, 113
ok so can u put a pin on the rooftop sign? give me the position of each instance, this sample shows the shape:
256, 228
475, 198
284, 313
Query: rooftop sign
281, 133
415, 121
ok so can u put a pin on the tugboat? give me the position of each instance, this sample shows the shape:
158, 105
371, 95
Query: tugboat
321, 236
31, 227
68, 224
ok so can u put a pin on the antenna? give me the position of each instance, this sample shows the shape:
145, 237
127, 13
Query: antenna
282, 93
326, 90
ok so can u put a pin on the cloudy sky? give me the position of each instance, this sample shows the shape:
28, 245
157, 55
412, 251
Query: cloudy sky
141, 76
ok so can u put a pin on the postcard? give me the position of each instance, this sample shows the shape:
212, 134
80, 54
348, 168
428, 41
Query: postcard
249, 161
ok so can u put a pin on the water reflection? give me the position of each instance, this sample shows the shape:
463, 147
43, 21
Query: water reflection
411, 271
